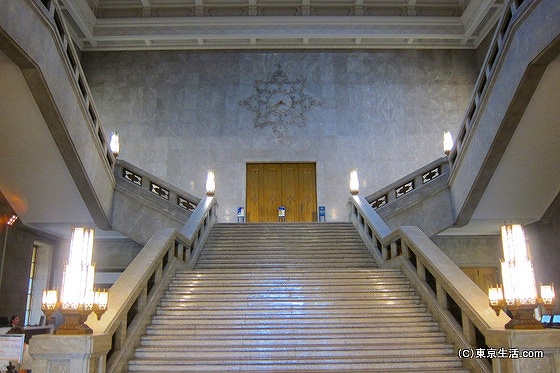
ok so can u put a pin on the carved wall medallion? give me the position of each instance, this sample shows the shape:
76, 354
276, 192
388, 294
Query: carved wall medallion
280, 103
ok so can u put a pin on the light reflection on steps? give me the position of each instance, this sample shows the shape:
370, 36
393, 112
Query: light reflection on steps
314, 302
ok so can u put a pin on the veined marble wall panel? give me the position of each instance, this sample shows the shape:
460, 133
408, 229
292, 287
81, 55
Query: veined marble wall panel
471, 251
383, 112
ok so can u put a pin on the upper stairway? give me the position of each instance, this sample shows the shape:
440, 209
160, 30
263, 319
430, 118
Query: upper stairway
284, 246
291, 297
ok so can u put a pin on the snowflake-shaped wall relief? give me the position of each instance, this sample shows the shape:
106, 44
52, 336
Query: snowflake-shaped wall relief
280, 103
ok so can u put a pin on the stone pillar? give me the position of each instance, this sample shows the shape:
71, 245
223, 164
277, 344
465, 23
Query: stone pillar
69, 353
542, 348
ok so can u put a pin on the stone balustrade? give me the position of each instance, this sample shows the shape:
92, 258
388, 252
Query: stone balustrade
457, 304
53, 14
133, 299
495, 53
514, 13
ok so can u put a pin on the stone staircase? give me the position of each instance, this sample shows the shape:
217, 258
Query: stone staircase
291, 297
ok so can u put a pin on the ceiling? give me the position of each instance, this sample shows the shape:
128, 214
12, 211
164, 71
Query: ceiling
279, 24
49, 200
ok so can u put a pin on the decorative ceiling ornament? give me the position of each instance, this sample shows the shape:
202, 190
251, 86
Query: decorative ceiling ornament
280, 103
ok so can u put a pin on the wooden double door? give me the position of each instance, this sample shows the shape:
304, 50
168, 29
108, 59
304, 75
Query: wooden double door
271, 185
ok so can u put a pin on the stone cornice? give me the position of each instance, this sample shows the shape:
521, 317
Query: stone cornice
352, 31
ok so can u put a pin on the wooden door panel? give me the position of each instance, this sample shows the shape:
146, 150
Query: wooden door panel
271, 192
308, 194
254, 175
290, 191
270, 185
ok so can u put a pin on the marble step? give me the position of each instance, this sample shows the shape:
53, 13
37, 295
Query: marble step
291, 297
331, 238
303, 235
177, 291
294, 321
423, 338
285, 353
274, 253
256, 288
274, 226
314, 244
386, 310
334, 261
294, 331
292, 262
388, 363
321, 274
341, 319
227, 279
275, 266
299, 287
332, 243
277, 306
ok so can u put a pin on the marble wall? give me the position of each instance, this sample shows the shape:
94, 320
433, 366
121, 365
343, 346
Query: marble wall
181, 113
471, 251
543, 239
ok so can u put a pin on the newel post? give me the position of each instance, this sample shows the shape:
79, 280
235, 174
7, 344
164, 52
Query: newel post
69, 353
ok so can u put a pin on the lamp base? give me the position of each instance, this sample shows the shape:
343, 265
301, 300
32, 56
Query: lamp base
523, 318
74, 323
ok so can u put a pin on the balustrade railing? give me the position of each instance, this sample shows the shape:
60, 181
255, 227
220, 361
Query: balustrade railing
135, 295
157, 187
445, 166
460, 307
409, 183
493, 57
71, 60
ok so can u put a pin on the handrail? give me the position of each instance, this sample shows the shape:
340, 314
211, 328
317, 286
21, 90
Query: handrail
409, 183
493, 58
53, 14
135, 295
141, 179
461, 308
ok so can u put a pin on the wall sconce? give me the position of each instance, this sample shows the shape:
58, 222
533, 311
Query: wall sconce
77, 297
447, 142
12, 220
210, 184
114, 143
519, 291
354, 183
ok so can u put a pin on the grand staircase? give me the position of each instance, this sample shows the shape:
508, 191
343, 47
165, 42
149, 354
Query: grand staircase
291, 297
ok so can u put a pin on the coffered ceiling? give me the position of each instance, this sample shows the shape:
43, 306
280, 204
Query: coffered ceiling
279, 24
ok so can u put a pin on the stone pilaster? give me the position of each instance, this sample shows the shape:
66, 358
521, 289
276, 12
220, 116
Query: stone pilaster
69, 353
526, 350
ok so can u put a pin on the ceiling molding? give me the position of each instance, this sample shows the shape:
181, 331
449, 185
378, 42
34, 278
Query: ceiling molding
140, 24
